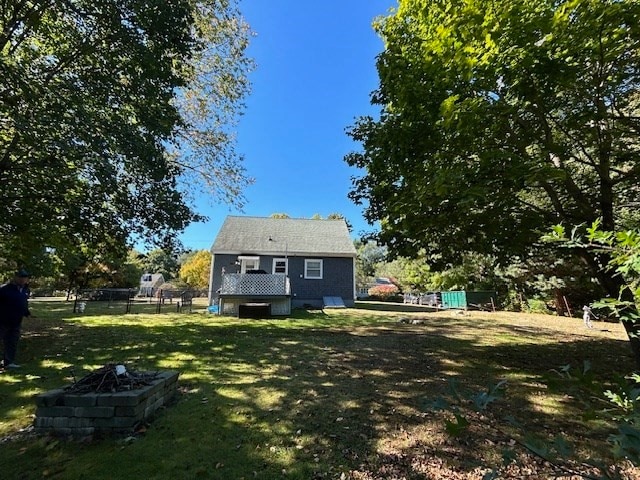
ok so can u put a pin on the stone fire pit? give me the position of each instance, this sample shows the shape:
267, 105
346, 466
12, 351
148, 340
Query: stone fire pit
76, 411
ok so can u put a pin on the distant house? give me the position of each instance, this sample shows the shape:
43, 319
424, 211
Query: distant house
149, 284
282, 262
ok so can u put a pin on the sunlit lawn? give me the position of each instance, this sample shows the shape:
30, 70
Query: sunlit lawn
316, 395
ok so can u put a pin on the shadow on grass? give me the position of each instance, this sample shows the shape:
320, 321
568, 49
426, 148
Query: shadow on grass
308, 397
394, 307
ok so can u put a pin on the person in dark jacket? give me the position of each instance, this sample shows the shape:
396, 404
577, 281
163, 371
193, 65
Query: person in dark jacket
13, 308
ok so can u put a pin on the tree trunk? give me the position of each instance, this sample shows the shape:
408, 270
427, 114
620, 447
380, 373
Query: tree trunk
561, 309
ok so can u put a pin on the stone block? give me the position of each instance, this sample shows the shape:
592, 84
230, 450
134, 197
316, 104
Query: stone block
155, 387
115, 423
153, 407
63, 413
126, 399
136, 411
94, 412
55, 412
43, 422
106, 400
78, 422
50, 398
153, 399
83, 432
61, 422
84, 400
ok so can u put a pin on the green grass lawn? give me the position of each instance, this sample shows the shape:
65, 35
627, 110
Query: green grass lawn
333, 394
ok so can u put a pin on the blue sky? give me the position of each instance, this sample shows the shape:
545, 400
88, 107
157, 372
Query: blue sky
315, 70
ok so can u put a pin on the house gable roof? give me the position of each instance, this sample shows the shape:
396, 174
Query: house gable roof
156, 278
279, 236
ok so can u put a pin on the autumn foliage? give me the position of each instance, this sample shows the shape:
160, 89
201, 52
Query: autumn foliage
384, 292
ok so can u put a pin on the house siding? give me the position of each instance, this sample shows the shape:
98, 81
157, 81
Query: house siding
336, 281
295, 239
218, 263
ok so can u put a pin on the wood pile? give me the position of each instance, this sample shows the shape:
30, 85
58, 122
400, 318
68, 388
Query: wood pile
111, 378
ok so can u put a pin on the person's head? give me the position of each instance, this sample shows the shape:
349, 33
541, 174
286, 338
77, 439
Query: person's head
21, 277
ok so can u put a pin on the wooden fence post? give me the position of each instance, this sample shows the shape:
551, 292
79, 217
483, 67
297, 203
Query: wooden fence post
566, 304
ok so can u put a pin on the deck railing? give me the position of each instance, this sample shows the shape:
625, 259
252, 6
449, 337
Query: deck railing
255, 284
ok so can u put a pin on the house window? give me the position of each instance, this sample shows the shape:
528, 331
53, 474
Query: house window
249, 263
281, 265
313, 269
146, 277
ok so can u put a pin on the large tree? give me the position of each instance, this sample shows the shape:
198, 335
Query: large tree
97, 101
195, 271
161, 261
499, 120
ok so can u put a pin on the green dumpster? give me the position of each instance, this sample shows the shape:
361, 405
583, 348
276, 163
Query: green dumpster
454, 299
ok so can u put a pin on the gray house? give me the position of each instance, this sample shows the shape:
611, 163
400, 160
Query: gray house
149, 284
282, 263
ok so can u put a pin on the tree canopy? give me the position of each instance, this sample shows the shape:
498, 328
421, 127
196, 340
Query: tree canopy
161, 261
500, 120
195, 271
105, 107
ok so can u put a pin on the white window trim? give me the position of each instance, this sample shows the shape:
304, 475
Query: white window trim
245, 259
286, 265
315, 260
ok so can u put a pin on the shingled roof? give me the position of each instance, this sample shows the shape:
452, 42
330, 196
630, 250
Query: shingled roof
295, 236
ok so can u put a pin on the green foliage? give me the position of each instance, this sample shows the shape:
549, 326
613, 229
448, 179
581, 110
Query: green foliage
618, 256
624, 410
410, 274
370, 257
457, 426
94, 111
628, 397
480, 401
472, 272
622, 250
537, 306
210, 104
161, 261
130, 271
498, 121
626, 443
70, 269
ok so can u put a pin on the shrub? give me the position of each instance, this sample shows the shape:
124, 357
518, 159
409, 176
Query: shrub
538, 306
384, 293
